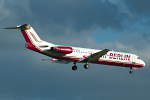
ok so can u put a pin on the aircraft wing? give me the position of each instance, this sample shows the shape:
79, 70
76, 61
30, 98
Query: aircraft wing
94, 56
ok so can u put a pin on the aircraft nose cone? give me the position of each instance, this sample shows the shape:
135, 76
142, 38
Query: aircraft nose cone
143, 63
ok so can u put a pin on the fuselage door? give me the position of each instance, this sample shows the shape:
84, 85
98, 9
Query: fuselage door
133, 59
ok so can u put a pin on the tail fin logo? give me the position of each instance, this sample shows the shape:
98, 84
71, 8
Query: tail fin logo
34, 37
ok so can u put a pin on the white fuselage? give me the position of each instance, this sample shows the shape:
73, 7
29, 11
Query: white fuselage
110, 58
76, 54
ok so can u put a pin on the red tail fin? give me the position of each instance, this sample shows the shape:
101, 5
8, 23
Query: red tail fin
29, 34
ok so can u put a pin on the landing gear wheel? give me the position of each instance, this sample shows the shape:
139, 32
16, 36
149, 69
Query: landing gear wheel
86, 66
131, 72
74, 67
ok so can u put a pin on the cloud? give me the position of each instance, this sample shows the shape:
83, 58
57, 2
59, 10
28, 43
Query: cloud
72, 22
4, 12
139, 7
79, 14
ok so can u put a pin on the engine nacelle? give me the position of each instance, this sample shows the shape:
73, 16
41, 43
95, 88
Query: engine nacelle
60, 61
62, 49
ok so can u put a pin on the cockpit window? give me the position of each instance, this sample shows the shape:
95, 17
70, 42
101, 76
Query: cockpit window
138, 57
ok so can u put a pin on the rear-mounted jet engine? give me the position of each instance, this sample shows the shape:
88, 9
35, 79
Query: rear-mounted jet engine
62, 49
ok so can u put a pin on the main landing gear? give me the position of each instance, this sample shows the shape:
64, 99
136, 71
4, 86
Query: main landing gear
86, 66
74, 67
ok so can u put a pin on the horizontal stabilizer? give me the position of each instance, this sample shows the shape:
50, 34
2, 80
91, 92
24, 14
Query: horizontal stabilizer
22, 27
12, 28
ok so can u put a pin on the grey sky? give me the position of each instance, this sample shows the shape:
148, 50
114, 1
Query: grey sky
120, 25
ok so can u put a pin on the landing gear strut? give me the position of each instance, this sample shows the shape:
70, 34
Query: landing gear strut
74, 67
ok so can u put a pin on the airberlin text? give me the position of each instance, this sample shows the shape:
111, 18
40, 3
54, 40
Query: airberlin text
117, 56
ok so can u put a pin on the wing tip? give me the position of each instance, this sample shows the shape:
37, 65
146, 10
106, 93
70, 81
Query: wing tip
107, 50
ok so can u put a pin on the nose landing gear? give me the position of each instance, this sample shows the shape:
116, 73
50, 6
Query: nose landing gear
131, 71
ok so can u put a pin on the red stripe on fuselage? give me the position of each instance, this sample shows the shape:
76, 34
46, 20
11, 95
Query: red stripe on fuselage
32, 47
104, 62
118, 63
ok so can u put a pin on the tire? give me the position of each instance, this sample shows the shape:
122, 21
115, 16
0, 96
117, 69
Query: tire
86, 66
131, 72
74, 68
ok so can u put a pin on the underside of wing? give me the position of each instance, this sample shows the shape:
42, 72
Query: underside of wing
94, 57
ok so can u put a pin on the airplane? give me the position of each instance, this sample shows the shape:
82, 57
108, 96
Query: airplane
67, 54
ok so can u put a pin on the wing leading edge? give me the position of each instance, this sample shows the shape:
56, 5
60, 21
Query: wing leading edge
94, 56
